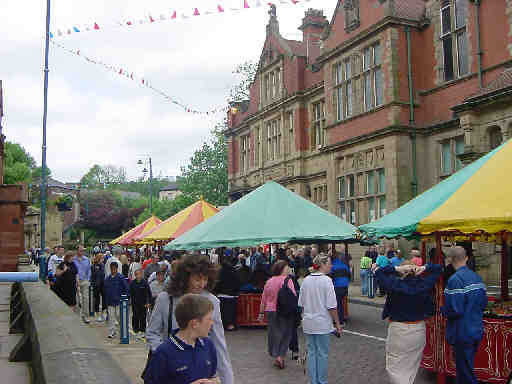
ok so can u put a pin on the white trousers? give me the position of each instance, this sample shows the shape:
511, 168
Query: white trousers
404, 350
84, 298
113, 319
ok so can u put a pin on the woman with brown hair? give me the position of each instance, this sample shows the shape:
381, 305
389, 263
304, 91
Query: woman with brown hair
280, 328
193, 274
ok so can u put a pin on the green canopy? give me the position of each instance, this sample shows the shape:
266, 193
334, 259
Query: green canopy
407, 220
269, 214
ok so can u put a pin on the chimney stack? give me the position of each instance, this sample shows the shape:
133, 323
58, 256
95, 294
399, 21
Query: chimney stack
313, 25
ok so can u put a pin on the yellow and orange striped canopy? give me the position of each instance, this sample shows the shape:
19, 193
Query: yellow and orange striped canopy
128, 238
180, 223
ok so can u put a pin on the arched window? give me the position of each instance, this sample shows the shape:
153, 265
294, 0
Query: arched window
495, 137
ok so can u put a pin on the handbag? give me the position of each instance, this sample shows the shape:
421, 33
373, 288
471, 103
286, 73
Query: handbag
169, 330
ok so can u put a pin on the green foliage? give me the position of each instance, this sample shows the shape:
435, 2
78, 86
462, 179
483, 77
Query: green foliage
207, 173
163, 209
247, 72
18, 164
37, 173
101, 176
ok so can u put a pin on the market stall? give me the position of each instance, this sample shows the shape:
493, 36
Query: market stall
128, 238
270, 214
180, 223
473, 205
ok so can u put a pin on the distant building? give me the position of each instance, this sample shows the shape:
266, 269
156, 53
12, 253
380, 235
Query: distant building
170, 192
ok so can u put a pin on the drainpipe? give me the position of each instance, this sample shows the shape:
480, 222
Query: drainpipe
478, 42
414, 182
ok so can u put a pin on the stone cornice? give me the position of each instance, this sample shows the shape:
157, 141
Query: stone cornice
364, 35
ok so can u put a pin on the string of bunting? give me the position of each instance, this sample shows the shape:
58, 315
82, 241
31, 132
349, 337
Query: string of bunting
123, 71
172, 15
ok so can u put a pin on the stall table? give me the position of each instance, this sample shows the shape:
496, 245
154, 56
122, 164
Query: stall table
248, 309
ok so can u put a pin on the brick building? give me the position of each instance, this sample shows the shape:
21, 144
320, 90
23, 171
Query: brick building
377, 105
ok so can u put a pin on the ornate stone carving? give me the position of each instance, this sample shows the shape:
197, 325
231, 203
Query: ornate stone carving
369, 159
380, 155
290, 170
352, 21
359, 160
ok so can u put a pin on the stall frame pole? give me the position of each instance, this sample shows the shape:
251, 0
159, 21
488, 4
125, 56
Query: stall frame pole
439, 340
504, 267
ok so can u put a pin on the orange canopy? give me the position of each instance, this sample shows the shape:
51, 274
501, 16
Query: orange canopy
128, 238
180, 223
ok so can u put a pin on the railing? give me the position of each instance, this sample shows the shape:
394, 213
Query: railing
59, 348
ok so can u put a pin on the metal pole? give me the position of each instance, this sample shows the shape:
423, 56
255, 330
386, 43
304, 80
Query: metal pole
123, 309
45, 113
150, 186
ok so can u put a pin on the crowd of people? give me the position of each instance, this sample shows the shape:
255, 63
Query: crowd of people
183, 303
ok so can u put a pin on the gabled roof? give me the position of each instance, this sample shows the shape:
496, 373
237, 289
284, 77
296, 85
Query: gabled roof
409, 9
173, 186
402, 9
503, 81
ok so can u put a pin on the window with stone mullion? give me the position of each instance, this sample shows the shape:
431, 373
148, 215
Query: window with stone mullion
454, 38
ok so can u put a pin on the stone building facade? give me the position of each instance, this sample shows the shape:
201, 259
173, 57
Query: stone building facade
376, 105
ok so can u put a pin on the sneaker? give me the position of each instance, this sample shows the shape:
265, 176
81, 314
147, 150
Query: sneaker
111, 335
100, 319
86, 320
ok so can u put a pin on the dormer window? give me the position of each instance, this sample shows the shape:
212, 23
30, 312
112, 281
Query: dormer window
352, 21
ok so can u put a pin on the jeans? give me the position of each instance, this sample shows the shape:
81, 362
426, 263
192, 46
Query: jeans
465, 362
364, 282
341, 292
317, 360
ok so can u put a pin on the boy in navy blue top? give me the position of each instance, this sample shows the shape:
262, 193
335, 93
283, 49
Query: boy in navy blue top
189, 356
115, 286
465, 301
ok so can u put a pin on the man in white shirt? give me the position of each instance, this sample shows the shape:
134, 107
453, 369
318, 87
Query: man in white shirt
54, 262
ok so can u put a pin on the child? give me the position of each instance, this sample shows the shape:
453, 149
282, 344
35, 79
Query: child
115, 286
141, 299
157, 285
189, 356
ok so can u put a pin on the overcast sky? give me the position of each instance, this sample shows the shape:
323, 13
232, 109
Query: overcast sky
96, 116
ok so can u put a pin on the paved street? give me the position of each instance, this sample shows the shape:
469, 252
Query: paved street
354, 358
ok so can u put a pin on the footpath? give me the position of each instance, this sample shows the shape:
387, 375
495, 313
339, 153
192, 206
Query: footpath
12, 373
355, 297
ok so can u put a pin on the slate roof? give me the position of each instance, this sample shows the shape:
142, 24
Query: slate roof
171, 187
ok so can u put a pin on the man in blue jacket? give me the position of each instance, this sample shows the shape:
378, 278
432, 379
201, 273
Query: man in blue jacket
115, 286
465, 301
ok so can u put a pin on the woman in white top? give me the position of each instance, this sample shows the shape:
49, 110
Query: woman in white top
318, 302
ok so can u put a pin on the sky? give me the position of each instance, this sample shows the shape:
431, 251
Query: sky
96, 116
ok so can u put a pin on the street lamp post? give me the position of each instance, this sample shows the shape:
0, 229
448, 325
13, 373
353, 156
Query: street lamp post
150, 182
44, 180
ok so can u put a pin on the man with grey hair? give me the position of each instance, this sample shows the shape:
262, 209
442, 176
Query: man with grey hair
465, 301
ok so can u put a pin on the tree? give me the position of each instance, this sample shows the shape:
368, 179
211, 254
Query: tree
18, 164
37, 173
247, 72
163, 209
207, 174
104, 213
101, 176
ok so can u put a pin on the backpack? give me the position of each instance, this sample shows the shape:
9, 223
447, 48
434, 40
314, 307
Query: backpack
287, 301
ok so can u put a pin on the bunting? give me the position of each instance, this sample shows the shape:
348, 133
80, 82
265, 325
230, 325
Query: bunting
172, 15
123, 71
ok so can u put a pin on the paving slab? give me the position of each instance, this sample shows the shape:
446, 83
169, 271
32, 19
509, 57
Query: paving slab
15, 373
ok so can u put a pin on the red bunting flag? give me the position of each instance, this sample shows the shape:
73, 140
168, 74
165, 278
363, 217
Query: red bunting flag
220, 8
196, 12
142, 81
96, 26
151, 20
173, 15
128, 23
295, 1
246, 4
120, 71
